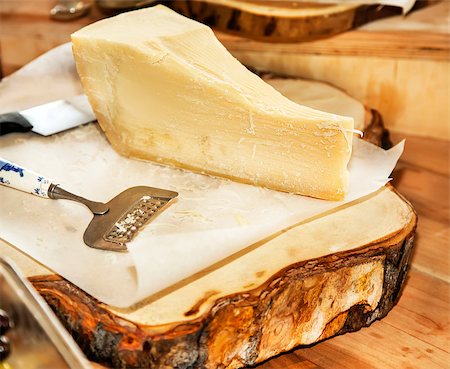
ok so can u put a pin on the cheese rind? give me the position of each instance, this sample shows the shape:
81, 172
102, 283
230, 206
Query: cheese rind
164, 89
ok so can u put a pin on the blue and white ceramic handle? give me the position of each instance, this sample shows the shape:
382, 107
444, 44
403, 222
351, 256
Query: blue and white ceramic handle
20, 178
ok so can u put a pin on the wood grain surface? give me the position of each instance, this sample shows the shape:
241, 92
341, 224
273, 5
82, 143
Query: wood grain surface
383, 44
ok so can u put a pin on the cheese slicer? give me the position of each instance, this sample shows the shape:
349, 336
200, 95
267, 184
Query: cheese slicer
114, 223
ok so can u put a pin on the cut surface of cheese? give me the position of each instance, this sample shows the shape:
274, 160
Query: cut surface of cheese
165, 89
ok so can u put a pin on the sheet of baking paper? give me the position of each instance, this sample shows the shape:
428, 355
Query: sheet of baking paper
406, 5
212, 218
435, 17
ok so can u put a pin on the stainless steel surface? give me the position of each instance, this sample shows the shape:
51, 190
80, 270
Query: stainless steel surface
136, 217
120, 219
59, 115
67, 10
57, 193
38, 340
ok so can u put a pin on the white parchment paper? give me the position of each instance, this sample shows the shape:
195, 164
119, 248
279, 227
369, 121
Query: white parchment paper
212, 218
406, 5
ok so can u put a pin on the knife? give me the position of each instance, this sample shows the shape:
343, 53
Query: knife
49, 118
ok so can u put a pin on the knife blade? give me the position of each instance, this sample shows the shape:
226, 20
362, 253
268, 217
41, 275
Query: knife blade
50, 118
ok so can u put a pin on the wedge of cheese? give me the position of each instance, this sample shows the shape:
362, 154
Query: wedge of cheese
165, 89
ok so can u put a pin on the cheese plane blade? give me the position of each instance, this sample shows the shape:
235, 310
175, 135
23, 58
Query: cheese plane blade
49, 118
115, 223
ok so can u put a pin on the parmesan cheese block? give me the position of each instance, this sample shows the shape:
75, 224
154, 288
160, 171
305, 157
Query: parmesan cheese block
165, 89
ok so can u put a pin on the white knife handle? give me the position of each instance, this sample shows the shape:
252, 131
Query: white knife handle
15, 176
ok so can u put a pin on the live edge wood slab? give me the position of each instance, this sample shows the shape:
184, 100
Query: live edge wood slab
268, 299
324, 277
282, 21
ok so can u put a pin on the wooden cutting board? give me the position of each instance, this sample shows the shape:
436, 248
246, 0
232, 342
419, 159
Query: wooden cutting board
260, 303
265, 300
282, 21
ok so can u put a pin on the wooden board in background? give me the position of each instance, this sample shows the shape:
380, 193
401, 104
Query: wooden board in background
411, 94
282, 21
